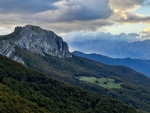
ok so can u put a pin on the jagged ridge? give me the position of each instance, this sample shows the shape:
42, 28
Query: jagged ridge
33, 39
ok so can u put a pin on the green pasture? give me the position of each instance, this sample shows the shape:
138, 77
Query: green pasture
104, 82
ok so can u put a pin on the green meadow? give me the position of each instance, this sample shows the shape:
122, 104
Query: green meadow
104, 82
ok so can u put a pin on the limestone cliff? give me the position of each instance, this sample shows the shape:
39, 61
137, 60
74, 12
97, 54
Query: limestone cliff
33, 39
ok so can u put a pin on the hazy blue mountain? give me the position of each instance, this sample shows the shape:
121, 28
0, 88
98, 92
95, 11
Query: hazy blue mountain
142, 66
115, 49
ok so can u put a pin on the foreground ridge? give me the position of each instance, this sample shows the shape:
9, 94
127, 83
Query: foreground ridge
26, 90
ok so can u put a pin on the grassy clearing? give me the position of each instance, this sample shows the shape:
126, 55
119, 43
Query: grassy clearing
104, 82
88, 79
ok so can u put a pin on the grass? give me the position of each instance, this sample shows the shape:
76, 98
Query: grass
88, 79
104, 82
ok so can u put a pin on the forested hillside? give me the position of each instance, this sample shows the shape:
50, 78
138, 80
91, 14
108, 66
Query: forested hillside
135, 87
25, 90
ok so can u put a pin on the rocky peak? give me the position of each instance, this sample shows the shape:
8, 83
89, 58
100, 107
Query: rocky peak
36, 40
17, 30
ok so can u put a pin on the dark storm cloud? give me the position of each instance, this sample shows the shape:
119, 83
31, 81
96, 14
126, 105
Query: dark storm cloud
131, 17
58, 15
77, 10
86, 11
26, 6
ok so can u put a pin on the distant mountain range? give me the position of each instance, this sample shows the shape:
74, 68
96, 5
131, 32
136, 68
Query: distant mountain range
115, 49
142, 66
46, 52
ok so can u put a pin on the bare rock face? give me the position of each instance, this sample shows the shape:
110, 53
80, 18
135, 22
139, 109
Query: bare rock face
33, 39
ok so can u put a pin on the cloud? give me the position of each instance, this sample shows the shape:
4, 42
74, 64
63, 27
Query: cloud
57, 15
69, 15
146, 33
130, 17
127, 5
77, 10
146, 30
26, 6
4, 31
124, 11
58, 10
95, 41
64, 27
95, 36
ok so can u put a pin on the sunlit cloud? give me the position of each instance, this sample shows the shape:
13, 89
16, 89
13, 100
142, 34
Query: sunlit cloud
146, 30
123, 17
124, 11
146, 33
126, 5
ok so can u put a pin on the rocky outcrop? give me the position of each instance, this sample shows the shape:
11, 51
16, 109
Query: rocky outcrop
33, 39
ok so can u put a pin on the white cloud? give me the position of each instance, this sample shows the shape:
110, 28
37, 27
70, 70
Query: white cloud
4, 31
92, 36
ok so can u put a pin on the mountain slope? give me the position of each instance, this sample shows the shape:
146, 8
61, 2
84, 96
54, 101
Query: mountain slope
25, 90
134, 88
139, 65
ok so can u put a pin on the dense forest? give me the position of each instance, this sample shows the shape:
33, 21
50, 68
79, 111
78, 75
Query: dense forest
25, 90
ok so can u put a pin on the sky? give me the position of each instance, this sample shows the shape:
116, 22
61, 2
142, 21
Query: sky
80, 20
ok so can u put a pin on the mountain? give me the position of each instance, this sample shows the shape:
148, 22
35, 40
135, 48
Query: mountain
115, 49
25, 90
139, 65
33, 39
118, 82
